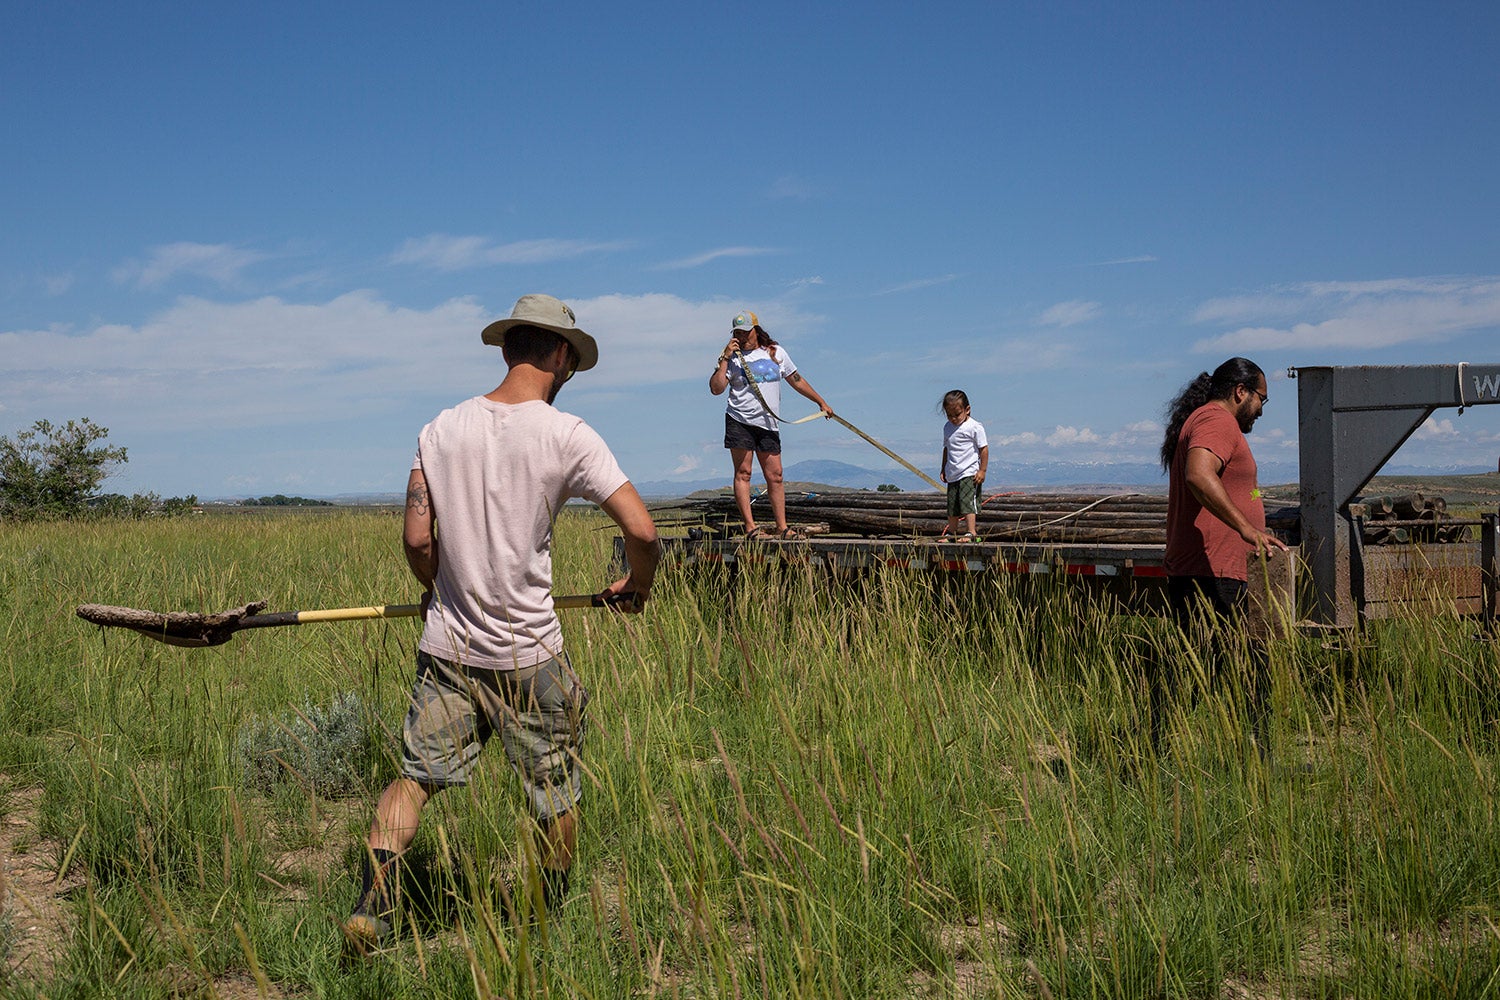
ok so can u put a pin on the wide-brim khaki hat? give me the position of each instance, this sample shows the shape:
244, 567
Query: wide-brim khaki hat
548, 313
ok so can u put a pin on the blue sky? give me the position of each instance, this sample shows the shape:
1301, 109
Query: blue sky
259, 242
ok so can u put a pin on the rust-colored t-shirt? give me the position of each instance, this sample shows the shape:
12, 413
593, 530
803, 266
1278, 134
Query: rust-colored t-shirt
1199, 544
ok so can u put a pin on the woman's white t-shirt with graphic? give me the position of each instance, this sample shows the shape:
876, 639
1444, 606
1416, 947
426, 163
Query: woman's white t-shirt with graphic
768, 373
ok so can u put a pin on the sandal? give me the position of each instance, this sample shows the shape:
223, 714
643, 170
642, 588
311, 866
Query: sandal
792, 535
945, 537
966, 538
755, 533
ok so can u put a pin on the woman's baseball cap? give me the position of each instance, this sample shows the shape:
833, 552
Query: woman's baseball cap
746, 320
548, 313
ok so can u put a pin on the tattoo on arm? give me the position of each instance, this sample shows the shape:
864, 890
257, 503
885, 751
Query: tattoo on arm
416, 498
794, 377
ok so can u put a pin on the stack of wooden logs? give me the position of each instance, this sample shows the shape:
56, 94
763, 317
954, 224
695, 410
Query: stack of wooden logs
1410, 517
1116, 518
1124, 518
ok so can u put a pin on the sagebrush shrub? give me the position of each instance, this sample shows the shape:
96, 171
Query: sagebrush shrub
322, 748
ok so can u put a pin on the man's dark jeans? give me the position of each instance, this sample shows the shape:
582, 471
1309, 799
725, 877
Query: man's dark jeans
1210, 612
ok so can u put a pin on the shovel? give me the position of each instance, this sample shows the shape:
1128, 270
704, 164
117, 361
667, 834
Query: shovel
188, 628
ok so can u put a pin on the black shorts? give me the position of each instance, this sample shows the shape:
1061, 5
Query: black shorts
747, 438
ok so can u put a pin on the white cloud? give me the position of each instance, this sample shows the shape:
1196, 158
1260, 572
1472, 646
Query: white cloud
1436, 430
217, 262
1274, 437
1389, 286
245, 364
911, 286
269, 361
1468, 441
442, 252
711, 255
1140, 259
1071, 313
1063, 437
1137, 441
657, 338
1241, 308
687, 463
1354, 315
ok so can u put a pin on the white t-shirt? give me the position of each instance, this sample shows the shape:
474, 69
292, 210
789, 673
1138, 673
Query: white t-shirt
962, 442
498, 474
768, 374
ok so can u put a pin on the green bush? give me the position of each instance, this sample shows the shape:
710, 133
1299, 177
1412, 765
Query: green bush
324, 749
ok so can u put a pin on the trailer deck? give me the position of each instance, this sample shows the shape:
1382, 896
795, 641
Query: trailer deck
1135, 561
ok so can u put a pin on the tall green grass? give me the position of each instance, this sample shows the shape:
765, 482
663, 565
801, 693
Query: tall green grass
893, 784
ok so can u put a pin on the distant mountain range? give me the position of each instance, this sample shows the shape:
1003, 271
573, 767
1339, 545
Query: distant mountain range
1002, 475
1145, 477
814, 473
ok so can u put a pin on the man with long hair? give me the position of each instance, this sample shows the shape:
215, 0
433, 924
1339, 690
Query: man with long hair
1215, 520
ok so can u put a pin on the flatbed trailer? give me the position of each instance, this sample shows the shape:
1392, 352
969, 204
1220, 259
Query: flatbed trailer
1426, 578
1131, 573
1351, 420
1141, 562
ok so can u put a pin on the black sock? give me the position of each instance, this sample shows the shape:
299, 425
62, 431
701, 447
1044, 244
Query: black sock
554, 887
375, 896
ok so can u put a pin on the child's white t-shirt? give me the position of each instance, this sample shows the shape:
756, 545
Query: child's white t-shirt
962, 443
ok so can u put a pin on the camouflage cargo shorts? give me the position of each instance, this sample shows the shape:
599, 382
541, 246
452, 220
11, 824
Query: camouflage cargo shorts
538, 712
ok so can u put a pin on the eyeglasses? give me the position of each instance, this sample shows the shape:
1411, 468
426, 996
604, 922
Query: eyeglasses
573, 360
1263, 396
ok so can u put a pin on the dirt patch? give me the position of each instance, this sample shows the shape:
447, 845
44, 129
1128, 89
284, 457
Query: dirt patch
244, 987
35, 903
32, 897
975, 946
312, 849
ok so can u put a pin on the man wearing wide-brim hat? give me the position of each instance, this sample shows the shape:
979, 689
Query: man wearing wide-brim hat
490, 476
545, 313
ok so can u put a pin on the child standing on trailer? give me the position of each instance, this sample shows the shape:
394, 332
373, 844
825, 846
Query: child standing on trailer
966, 456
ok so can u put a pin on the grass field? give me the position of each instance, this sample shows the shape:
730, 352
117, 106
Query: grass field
887, 787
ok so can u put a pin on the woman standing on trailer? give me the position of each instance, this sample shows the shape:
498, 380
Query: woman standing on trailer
752, 367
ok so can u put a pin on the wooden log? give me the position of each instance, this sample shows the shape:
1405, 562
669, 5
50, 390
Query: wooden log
985, 513
848, 522
1380, 535
933, 502
1077, 517
1103, 518
1409, 505
1088, 516
1455, 533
